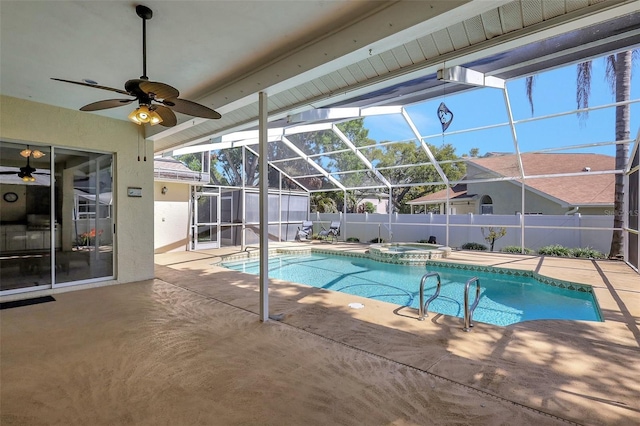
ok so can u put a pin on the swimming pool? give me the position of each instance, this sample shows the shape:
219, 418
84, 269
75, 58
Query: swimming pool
506, 298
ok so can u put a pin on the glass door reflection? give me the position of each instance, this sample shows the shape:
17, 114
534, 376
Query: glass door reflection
84, 212
25, 217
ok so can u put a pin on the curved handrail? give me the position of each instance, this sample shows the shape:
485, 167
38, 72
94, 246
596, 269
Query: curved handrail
468, 311
423, 306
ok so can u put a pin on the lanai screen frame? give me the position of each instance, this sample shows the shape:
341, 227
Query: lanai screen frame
328, 120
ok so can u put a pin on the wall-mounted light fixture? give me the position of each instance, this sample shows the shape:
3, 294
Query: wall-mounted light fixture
143, 115
164, 190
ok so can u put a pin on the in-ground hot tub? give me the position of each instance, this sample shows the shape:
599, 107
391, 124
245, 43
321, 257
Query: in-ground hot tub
407, 253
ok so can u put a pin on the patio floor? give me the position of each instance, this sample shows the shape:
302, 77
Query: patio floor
188, 348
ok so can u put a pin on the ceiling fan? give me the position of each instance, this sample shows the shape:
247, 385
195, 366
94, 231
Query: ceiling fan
156, 101
26, 173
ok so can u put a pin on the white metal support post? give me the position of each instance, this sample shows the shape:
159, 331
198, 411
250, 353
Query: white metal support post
344, 213
280, 207
264, 212
243, 195
390, 212
516, 145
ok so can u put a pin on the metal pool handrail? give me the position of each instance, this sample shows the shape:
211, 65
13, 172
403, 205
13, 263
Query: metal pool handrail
468, 311
423, 306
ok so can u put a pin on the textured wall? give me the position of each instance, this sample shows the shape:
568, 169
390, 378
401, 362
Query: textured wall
30, 122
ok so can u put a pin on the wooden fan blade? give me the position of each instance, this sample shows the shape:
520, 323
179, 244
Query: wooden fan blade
160, 90
168, 117
95, 86
106, 104
191, 108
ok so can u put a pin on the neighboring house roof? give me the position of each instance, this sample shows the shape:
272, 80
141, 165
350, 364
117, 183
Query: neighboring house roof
456, 193
544, 164
582, 190
167, 168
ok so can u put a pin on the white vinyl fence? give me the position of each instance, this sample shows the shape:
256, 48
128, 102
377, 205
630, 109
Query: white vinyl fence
539, 230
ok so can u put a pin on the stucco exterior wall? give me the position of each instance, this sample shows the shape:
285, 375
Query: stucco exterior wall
171, 217
596, 211
29, 122
506, 198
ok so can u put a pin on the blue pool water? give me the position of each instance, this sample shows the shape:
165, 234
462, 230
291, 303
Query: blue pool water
504, 299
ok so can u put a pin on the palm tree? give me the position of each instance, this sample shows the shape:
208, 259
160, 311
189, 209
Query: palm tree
618, 74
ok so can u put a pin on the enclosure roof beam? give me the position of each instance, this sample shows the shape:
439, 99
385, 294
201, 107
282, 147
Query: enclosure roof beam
433, 160
306, 128
280, 170
514, 135
360, 155
220, 145
312, 163
341, 113
462, 75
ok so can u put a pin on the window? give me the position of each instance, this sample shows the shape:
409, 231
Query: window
486, 205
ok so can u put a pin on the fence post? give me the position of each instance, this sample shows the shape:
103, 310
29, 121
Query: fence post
521, 223
576, 223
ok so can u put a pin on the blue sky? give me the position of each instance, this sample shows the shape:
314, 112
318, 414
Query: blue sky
554, 92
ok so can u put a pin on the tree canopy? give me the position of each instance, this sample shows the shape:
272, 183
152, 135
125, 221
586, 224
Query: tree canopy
364, 179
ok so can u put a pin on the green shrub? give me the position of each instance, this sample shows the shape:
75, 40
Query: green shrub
353, 240
516, 249
560, 251
555, 250
587, 252
377, 240
474, 246
367, 207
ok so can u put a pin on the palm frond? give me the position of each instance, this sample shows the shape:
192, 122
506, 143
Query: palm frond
610, 72
583, 89
529, 82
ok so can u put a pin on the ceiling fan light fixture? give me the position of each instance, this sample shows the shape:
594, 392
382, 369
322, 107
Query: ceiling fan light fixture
34, 153
155, 118
143, 115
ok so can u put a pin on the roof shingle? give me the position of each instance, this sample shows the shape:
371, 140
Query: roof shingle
584, 189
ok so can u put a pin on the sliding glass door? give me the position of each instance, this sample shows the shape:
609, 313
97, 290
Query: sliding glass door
56, 217
25, 217
84, 213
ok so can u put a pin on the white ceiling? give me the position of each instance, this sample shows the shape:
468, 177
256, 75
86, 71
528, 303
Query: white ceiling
303, 54
193, 45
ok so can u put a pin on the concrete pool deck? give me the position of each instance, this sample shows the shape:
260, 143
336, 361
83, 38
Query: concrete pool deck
188, 348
